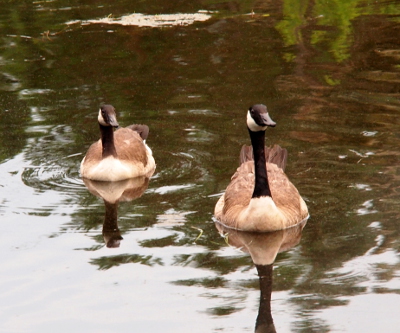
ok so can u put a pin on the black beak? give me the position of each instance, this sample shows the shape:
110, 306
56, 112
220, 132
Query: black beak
113, 121
267, 121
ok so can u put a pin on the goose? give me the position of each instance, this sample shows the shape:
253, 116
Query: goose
119, 154
260, 197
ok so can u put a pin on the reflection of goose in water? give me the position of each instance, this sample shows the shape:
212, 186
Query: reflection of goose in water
260, 197
263, 249
112, 193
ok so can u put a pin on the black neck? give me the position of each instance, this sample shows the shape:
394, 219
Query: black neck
111, 233
265, 322
261, 186
107, 141
111, 216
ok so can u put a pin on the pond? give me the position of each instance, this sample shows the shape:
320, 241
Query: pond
329, 72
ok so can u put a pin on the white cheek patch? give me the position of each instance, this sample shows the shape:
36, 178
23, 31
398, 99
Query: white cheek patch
101, 120
251, 124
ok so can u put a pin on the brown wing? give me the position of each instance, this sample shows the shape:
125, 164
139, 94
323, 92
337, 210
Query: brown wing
94, 153
284, 193
240, 189
275, 155
128, 144
238, 193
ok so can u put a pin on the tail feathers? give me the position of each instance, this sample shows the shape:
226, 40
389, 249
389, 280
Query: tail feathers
246, 154
276, 155
142, 130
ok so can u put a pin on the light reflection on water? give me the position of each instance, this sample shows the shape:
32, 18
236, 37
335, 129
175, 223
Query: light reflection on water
331, 83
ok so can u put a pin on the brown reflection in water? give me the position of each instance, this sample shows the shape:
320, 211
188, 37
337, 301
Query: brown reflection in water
112, 193
346, 108
263, 249
342, 72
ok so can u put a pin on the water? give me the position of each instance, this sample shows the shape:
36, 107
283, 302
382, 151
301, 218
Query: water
329, 73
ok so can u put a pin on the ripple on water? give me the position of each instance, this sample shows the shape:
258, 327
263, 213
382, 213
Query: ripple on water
31, 93
172, 217
52, 177
203, 112
183, 165
200, 135
173, 188
367, 208
365, 271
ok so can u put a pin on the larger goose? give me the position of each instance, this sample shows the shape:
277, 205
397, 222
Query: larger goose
118, 155
260, 196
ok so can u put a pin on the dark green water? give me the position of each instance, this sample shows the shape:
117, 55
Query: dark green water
329, 72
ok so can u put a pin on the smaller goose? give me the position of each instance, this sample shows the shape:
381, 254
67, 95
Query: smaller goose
118, 155
260, 196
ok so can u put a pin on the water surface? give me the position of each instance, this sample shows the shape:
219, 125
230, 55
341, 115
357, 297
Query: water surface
329, 73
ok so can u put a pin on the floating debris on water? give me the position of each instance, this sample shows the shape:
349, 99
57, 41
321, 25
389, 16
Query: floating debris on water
142, 20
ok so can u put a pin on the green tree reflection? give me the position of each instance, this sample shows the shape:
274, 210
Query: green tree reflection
329, 24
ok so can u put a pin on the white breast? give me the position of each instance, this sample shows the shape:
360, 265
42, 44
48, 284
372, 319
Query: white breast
261, 214
112, 169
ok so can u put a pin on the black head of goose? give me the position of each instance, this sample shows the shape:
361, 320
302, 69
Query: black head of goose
119, 154
260, 197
